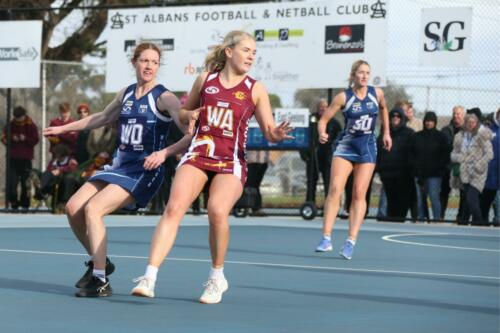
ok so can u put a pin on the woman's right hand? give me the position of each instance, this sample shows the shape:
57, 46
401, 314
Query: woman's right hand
323, 138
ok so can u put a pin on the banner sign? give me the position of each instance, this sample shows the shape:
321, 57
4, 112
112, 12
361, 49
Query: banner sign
20, 54
299, 120
307, 44
445, 36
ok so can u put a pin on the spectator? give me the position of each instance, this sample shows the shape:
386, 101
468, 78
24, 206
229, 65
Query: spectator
68, 139
322, 151
394, 169
57, 180
428, 158
257, 165
411, 121
450, 130
492, 185
473, 150
81, 152
24, 136
91, 167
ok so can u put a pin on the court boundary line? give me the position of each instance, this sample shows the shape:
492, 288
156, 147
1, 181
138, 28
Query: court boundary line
390, 238
250, 263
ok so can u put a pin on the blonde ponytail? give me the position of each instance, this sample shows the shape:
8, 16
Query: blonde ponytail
216, 59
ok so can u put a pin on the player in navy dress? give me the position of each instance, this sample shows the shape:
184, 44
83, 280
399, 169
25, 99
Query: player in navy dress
143, 112
228, 98
356, 151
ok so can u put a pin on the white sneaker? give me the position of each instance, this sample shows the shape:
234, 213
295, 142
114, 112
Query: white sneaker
145, 287
213, 291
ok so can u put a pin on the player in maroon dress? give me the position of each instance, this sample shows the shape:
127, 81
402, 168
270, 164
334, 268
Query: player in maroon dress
221, 102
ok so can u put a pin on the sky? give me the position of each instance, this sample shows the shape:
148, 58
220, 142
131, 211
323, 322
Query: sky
438, 89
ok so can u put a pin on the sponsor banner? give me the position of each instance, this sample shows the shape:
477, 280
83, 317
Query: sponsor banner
445, 36
20, 54
299, 120
298, 117
309, 44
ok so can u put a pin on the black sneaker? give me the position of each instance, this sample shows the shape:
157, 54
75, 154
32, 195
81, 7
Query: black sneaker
95, 288
85, 279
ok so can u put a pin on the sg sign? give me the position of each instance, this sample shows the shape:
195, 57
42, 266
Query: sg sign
445, 36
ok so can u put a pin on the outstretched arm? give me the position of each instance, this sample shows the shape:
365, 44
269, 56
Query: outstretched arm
264, 116
108, 115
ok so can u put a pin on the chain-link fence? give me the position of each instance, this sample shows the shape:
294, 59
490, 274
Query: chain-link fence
284, 185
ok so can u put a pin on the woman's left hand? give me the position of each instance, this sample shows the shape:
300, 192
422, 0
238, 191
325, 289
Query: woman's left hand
280, 132
387, 142
155, 160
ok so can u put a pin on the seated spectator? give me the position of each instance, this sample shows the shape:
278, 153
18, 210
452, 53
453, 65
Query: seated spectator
57, 180
94, 165
428, 157
68, 139
393, 167
472, 149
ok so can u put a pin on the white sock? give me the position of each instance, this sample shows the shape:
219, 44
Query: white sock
100, 273
216, 273
151, 272
352, 241
329, 237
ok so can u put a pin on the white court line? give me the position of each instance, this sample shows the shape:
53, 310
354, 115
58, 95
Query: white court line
390, 238
274, 265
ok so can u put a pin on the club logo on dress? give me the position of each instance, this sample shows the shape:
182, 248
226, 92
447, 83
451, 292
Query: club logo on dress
143, 108
240, 95
211, 90
205, 128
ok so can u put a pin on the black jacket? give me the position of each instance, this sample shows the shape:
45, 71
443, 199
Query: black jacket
429, 153
394, 163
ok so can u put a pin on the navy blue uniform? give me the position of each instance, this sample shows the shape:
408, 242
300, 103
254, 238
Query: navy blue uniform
357, 142
142, 131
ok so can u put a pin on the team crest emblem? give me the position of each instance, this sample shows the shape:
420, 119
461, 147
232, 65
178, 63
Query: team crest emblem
211, 90
143, 108
240, 95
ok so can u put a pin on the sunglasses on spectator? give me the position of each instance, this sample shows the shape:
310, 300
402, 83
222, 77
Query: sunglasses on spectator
395, 116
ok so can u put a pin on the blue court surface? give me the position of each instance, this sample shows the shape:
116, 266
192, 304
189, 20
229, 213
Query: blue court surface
402, 278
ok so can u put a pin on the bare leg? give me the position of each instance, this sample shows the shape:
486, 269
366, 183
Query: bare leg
340, 171
188, 183
225, 190
104, 202
75, 210
362, 176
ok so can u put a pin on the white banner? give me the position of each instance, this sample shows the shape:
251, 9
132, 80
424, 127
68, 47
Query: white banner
20, 54
445, 36
308, 44
298, 117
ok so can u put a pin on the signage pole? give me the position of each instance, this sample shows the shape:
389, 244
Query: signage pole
7, 150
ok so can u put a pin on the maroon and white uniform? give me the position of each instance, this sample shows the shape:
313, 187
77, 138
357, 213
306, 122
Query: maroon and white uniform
220, 139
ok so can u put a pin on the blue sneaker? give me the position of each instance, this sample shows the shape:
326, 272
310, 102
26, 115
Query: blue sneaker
347, 249
324, 246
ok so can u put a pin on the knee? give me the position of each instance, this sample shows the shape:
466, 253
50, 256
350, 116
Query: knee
217, 216
174, 209
334, 191
358, 195
73, 207
92, 211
